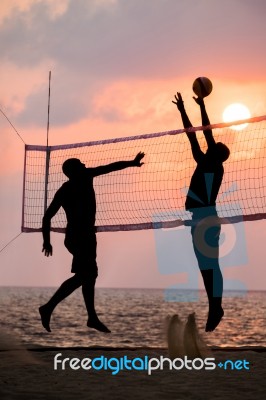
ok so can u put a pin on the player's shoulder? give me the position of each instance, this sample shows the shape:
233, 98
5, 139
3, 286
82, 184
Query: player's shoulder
64, 186
90, 172
63, 189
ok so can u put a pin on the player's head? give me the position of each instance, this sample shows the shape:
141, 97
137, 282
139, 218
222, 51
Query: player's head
222, 151
73, 167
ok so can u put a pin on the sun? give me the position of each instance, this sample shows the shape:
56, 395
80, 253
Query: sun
234, 112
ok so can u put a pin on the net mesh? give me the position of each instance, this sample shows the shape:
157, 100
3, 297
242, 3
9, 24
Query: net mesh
152, 196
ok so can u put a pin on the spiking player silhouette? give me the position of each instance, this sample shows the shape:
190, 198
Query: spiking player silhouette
201, 202
77, 198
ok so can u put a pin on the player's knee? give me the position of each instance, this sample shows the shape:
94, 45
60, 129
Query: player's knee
77, 279
212, 265
88, 278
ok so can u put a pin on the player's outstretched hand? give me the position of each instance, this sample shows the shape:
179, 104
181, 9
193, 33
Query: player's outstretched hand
199, 100
47, 249
138, 158
178, 101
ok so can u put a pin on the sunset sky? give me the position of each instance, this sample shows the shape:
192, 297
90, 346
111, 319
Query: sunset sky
116, 65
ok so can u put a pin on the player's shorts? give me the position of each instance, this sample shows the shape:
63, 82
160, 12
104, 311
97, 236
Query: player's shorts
83, 248
205, 231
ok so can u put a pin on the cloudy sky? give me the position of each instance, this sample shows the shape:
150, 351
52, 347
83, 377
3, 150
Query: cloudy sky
116, 65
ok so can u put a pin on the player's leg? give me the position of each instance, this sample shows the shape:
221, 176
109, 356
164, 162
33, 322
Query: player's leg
205, 239
215, 301
67, 287
88, 280
210, 278
86, 267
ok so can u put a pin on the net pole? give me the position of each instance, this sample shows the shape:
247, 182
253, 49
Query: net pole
23, 189
48, 151
48, 117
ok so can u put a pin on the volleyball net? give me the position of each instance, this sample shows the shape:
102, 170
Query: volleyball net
152, 196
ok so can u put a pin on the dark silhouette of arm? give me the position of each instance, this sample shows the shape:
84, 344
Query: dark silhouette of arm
205, 122
195, 147
46, 223
116, 166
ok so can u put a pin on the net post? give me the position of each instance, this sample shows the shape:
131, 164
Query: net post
48, 149
23, 189
48, 110
47, 164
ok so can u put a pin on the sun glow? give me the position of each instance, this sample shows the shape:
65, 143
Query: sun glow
234, 112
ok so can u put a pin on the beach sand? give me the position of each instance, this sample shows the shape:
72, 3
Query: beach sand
29, 374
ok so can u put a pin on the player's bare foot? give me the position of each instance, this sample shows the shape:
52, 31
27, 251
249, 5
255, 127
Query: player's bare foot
45, 317
95, 323
214, 318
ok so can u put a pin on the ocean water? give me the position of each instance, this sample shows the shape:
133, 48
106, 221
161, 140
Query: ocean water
136, 317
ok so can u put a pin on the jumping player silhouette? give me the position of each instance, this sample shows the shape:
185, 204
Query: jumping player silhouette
77, 197
201, 202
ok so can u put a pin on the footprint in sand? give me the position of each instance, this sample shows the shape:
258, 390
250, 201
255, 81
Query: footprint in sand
185, 339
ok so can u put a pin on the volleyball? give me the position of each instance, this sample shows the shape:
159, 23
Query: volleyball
202, 86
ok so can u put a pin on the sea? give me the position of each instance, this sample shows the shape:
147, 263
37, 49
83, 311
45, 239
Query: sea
136, 317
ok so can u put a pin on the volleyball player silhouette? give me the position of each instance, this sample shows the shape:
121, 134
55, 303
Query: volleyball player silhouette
201, 201
77, 197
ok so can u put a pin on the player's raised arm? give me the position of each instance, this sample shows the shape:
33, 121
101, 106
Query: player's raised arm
180, 106
46, 224
205, 122
195, 147
116, 166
